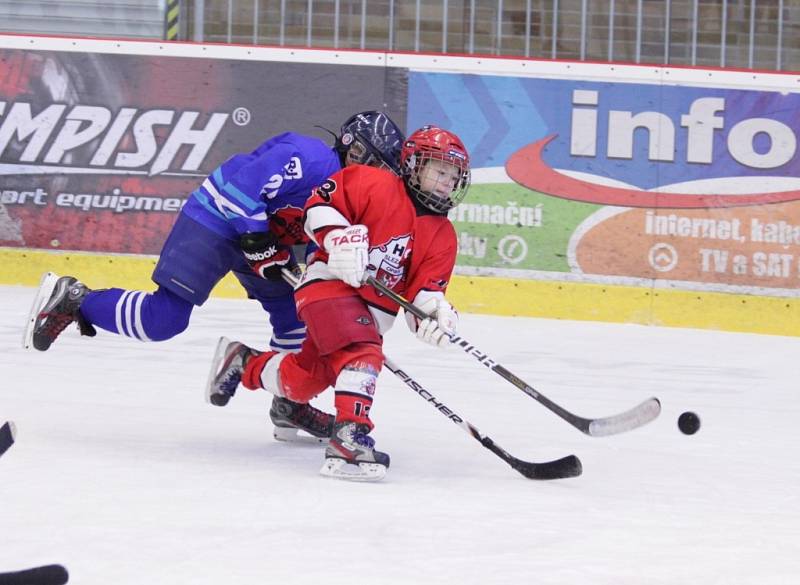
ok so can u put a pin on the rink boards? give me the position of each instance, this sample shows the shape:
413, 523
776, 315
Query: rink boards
471, 294
610, 192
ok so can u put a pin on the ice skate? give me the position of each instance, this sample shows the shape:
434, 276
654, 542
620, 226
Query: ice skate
351, 454
290, 417
227, 366
55, 306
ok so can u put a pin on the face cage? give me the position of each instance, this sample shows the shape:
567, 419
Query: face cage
432, 201
361, 154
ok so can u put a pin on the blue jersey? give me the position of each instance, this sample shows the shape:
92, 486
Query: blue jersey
265, 189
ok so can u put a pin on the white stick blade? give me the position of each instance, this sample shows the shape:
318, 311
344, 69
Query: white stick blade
634, 418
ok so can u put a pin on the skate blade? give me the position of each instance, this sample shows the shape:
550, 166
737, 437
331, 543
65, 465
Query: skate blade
341, 469
46, 287
219, 355
294, 435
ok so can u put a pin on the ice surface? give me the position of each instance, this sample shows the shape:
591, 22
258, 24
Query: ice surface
125, 475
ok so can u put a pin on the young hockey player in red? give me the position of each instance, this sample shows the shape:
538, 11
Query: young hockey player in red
367, 222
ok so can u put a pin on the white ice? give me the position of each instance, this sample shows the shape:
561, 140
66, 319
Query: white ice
125, 475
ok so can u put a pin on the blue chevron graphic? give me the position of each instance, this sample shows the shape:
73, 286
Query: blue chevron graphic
444, 100
493, 115
424, 108
497, 127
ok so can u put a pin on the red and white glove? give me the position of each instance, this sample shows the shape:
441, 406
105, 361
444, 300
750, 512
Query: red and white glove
442, 323
348, 253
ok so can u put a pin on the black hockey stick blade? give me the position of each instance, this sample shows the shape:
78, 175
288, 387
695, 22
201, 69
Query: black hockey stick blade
569, 466
45, 575
8, 434
565, 467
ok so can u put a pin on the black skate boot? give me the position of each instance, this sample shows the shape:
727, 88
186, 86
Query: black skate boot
56, 305
227, 367
351, 454
290, 417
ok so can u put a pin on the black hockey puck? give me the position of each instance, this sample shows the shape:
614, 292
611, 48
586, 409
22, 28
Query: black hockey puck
688, 423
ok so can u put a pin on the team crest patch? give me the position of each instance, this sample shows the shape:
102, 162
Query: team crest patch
368, 386
287, 223
389, 260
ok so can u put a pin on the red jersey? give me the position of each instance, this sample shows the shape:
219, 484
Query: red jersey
409, 251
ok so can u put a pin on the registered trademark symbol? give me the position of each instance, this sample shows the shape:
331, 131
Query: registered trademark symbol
241, 116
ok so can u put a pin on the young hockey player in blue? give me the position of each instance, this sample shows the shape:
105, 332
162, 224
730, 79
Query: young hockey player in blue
244, 218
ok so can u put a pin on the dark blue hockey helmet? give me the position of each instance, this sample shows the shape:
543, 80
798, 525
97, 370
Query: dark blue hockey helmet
371, 138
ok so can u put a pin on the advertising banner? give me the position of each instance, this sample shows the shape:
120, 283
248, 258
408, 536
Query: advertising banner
598, 174
99, 151
627, 183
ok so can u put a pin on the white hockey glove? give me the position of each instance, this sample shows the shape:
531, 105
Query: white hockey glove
441, 324
348, 253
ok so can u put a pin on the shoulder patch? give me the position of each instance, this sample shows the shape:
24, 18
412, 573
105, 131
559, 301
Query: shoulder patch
325, 190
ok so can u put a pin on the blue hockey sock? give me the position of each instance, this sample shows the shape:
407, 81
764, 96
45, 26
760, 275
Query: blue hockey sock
288, 332
138, 314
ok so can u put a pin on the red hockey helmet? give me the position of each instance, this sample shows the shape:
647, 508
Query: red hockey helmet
435, 167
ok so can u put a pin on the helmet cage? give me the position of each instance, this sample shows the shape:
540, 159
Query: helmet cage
436, 202
363, 153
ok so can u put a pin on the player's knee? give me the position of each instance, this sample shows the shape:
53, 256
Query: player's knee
359, 356
168, 315
168, 327
165, 329
300, 384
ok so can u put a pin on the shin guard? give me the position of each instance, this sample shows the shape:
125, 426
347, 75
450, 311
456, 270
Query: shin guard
355, 388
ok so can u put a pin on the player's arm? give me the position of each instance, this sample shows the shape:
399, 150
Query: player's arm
331, 222
427, 290
236, 192
262, 178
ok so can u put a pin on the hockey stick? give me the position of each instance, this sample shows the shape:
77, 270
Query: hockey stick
595, 427
569, 466
8, 434
46, 575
